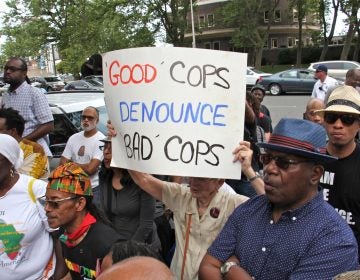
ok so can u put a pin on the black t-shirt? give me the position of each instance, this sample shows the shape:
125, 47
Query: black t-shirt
341, 183
81, 259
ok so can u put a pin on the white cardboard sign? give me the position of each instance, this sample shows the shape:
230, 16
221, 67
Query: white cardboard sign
177, 111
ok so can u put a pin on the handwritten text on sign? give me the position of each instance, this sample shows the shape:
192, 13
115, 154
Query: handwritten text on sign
178, 111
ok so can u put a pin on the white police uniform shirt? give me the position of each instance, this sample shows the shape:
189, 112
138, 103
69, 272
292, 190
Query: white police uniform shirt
321, 88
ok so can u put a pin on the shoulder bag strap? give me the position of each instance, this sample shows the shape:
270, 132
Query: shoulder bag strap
186, 246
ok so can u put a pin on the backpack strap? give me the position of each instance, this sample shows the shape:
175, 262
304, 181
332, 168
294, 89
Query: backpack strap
30, 190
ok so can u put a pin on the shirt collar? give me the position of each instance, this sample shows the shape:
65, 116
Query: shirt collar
19, 88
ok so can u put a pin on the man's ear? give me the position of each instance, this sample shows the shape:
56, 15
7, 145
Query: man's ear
80, 204
317, 172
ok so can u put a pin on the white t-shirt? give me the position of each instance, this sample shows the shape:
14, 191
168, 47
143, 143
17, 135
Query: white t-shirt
25, 243
81, 149
320, 89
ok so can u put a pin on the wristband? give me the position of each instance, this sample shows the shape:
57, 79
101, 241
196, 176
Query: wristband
257, 175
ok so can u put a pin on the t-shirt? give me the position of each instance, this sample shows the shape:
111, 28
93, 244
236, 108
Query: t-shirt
341, 183
321, 88
81, 149
81, 259
25, 243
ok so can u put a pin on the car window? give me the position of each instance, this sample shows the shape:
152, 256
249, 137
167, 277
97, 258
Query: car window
289, 74
335, 65
349, 65
53, 79
306, 75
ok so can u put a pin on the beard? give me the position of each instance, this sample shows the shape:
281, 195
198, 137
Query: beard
88, 128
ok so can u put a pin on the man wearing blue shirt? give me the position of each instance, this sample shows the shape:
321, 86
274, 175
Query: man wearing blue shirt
291, 232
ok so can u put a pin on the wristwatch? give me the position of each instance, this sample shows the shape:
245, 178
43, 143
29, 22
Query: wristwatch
257, 175
226, 267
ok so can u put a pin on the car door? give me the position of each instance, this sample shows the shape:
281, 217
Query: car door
306, 81
289, 81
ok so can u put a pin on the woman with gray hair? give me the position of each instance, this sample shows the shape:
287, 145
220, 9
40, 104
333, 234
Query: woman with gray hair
26, 247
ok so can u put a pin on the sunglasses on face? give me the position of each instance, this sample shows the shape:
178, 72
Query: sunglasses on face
346, 119
90, 118
12, 69
281, 162
55, 204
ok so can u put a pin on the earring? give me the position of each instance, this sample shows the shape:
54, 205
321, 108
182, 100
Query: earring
12, 173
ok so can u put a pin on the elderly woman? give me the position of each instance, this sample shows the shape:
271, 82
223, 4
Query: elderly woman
26, 247
130, 209
200, 210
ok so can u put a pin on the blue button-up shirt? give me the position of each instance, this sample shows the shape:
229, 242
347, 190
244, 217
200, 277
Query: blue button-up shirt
312, 242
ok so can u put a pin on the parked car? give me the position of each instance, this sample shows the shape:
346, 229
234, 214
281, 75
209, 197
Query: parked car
254, 76
2, 83
40, 82
81, 85
55, 82
66, 108
96, 80
295, 80
336, 68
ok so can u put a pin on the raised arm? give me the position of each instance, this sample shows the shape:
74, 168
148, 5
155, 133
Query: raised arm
243, 154
148, 183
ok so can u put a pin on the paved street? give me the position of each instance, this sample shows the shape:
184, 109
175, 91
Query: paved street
290, 106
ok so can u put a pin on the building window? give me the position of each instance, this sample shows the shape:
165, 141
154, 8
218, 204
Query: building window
277, 16
216, 45
210, 19
201, 21
296, 16
291, 42
274, 43
266, 16
207, 45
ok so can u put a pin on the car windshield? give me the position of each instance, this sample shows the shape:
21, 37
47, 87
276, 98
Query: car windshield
52, 79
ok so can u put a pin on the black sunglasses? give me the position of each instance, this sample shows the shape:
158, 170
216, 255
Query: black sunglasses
13, 68
281, 162
346, 119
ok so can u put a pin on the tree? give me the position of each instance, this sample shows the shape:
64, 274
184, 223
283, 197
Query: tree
350, 8
324, 10
249, 34
79, 28
303, 8
172, 16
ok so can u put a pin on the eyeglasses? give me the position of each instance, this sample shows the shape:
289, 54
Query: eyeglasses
346, 119
281, 162
55, 204
13, 69
90, 118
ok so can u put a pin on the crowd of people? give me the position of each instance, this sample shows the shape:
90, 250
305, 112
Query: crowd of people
293, 214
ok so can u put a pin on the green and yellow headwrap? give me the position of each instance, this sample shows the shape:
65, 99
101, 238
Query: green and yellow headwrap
70, 178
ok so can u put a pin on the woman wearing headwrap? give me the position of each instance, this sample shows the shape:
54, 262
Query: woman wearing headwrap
68, 204
26, 247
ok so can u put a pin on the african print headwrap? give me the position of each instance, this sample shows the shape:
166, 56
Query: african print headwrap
70, 178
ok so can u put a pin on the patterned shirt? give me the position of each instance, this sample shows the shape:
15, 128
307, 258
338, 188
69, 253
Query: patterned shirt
32, 106
311, 242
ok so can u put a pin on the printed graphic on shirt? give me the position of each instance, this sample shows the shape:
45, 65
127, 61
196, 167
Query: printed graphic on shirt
86, 273
10, 240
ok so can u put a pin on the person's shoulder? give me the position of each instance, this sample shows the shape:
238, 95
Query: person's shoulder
36, 147
104, 231
252, 204
99, 135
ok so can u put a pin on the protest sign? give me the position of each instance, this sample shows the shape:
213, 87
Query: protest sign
177, 111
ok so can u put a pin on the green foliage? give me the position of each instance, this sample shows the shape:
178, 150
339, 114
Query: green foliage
79, 28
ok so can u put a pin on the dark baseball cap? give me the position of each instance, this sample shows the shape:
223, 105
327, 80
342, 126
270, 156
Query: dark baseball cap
321, 68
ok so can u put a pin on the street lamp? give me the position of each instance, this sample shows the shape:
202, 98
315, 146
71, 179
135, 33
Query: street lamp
192, 24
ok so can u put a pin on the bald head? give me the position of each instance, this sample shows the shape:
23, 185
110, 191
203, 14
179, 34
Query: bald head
353, 77
137, 268
313, 105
